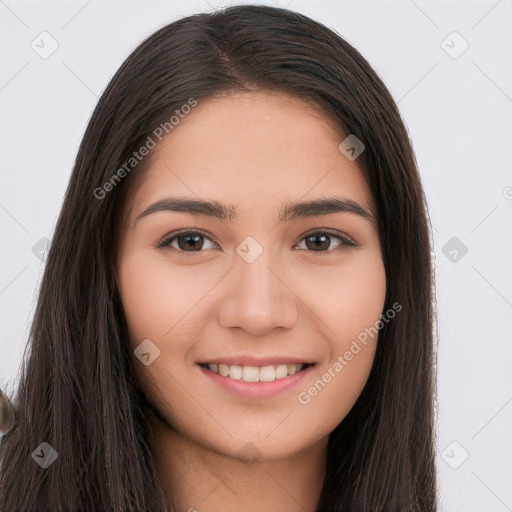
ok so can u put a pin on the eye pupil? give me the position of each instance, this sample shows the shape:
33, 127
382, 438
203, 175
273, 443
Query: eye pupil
188, 238
318, 244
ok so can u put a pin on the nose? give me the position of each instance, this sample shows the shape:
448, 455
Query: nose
257, 298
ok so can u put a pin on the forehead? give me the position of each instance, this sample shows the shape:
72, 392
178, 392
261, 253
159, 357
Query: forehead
253, 150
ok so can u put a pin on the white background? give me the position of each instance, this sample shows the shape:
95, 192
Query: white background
458, 111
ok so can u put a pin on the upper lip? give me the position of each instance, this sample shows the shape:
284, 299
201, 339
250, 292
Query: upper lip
248, 360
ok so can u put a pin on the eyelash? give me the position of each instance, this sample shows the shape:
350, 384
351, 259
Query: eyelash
167, 240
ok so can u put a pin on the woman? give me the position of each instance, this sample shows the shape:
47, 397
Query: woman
286, 362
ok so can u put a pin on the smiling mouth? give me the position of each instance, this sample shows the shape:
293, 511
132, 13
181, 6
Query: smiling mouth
268, 373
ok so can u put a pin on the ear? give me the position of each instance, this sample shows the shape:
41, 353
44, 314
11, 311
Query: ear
7, 415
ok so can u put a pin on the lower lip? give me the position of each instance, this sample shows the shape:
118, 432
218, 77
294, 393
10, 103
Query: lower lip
257, 390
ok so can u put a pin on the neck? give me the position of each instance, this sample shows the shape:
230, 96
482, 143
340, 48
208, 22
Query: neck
198, 479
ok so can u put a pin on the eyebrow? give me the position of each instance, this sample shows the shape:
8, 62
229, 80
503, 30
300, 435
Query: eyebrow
289, 211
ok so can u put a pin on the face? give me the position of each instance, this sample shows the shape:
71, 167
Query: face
276, 300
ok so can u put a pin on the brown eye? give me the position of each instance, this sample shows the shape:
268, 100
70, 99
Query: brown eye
321, 242
193, 242
187, 241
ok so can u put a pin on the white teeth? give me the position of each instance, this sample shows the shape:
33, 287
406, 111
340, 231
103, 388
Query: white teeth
267, 374
249, 374
223, 369
235, 372
281, 371
292, 370
255, 373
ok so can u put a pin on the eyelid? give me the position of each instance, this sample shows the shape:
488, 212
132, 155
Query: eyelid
346, 240
165, 241
334, 233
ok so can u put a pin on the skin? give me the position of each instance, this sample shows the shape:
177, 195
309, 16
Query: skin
253, 150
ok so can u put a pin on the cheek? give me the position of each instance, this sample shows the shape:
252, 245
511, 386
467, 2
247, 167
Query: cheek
150, 295
348, 298
351, 307
362, 297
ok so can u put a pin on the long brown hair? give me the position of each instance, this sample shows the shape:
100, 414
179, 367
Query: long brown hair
76, 391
